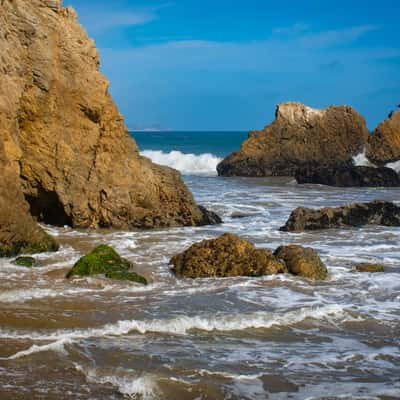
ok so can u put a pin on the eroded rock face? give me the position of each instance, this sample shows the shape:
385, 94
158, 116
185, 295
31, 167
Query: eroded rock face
19, 233
384, 144
225, 256
375, 213
302, 261
300, 137
64, 136
356, 176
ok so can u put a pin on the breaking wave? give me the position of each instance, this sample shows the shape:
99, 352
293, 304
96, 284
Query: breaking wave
133, 387
189, 164
394, 165
181, 325
361, 160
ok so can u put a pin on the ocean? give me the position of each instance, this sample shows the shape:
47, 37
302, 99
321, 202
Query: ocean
274, 337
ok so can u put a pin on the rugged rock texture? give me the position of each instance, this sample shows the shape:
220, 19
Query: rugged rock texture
300, 137
359, 176
105, 260
302, 261
225, 256
64, 136
384, 144
375, 213
370, 268
18, 231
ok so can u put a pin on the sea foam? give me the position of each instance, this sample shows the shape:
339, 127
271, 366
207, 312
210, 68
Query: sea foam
183, 325
361, 160
189, 164
143, 386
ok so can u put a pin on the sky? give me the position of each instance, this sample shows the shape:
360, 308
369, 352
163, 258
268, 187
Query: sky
226, 64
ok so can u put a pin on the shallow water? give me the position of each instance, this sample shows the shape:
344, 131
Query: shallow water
274, 337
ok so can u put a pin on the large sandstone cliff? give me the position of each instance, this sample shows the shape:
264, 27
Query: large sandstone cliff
64, 138
300, 137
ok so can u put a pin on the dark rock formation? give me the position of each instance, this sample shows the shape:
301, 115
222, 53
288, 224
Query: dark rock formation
66, 142
384, 144
225, 256
375, 213
300, 137
359, 176
302, 261
105, 260
370, 268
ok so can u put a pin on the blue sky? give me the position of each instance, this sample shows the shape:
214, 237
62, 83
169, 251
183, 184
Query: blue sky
224, 65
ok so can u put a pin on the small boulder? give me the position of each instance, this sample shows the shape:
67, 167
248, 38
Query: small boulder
105, 260
377, 212
27, 262
349, 176
302, 261
226, 256
369, 267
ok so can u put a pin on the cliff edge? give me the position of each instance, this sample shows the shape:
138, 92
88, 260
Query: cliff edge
64, 140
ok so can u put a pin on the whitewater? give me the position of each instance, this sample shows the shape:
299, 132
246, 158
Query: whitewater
274, 337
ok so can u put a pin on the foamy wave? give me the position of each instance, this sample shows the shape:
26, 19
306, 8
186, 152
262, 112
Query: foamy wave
203, 164
57, 346
394, 165
361, 160
143, 386
182, 325
22, 295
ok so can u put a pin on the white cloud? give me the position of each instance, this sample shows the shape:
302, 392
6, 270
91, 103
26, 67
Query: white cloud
102, 21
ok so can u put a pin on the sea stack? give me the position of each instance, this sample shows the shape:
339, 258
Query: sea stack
384, 143
299, 137
64, 146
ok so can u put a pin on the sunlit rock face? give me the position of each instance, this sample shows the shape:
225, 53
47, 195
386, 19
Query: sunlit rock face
299, 137
63, 135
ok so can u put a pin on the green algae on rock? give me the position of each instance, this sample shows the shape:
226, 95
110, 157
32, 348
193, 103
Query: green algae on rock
105, 260
28, 262
302, 261
369, 267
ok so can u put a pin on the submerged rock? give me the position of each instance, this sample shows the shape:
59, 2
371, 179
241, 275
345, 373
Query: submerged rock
377, 212
225, 256
67, 145
302, 261
369, 267
300, 137
356, 176
105, 260
28, 262
384, 143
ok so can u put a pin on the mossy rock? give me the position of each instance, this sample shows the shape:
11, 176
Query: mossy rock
369, 267
302, 261
28, 262
105, 260
45, 244
126, 276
